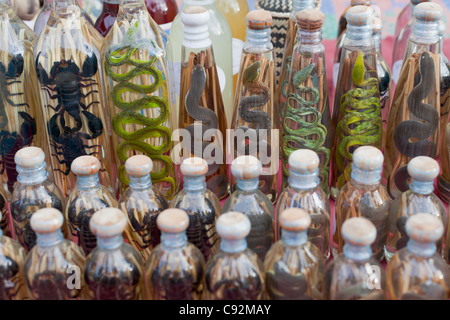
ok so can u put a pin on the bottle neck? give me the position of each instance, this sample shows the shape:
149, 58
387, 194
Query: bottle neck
89, 182
130, 8
196, 37
141, 183
299, 5
117, 2
290, 238
174, 240
359, 33
258, 39
110, 243
357, 253
306, 37
366, 177
421, 187
202, 3
233, 246
32, 176
247, 185
299, 181
377, 42
63, 5
425, 32
421, 249
195, 184
49, 239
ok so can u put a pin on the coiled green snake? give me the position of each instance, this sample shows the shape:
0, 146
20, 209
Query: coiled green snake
306, 134
132, 111
361, 122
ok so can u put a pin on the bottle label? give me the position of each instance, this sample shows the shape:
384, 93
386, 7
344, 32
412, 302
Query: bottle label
396, 70
238, 45
335, 73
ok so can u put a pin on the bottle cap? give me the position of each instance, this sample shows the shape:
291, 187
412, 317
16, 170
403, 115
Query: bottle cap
359, 15
194, 167
360, 3
138, 166
424, 227
423, 168
428, 12
46, 220
108, 223
258, 19
29, 157
85, 166
173, 221
367, 158
233, 226
359, 231
310, 19
246, 168
376, 25
304, 161
295, 220
195, 20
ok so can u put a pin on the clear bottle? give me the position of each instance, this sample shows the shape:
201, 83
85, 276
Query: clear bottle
342, 26
249, 200
306, 117
20, 107
294, 266
413, 124
174, 269
12, 261
88, 197
201, 116
69, 71
142, 204
114, 269
137, 92
34, 190
220, 35
304, 191
418, 272
235, 272
202, 206
418, 199
363, 196
356, 117
5, 222
54, 268
255, 131
289, 42
355, 274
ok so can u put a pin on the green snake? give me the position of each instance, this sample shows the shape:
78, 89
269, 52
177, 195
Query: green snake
131, 112
310, 134
361, 122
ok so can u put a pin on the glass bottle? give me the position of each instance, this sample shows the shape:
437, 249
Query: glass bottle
33, 191
175, 267
137, 92
355, 274
12, 260
418, 272
106, 19
363, 196
5, 222
142, 204
54, 268
45, 13
304, 191
249, 200
88, 197
201, 204
235, 272
201, 116
289, 42
342, 26
114, 269
256, 119
356, 117
413, 124
418, 199
306, 117
92, 7
20, 107
220, 35
69, 71
403, 31
294, 266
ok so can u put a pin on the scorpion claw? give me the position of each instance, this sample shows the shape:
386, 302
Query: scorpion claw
90, 66
15, 66
94, 123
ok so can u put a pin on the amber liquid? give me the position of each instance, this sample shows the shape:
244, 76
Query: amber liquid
107, 17
162, 11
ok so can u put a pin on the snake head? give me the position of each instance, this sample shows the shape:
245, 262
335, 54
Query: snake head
359, 70
251, 73
303, 74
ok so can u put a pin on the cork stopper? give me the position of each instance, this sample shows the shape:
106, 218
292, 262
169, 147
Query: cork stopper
428, 12
359, 231
359, 16
304, 161
423, 168
173, 221
246, 168
29, 157
360, 3
367, 158
233, 226
46, 220
295, 220
138, 166
310, 19
416, 2
195, 10
193, 167
424, 227
258, 19
376, 25
85, 166
108, 223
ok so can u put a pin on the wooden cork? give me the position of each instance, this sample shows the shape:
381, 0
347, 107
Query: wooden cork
233, 226
172, 221
310, 19
46, 220
29, 157
304, 161
359, 16
295, 220
368, 158
85, 166
360, 3
194, 166
138, 166
423, 168
108, 223
424, 227
258, 19
359, 231
194, 10
246, 168
428, 12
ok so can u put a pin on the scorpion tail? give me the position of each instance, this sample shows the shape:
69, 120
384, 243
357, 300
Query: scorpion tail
95, 125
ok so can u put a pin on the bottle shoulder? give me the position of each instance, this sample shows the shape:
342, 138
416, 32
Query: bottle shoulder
249, 203
121, 259
174, 261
